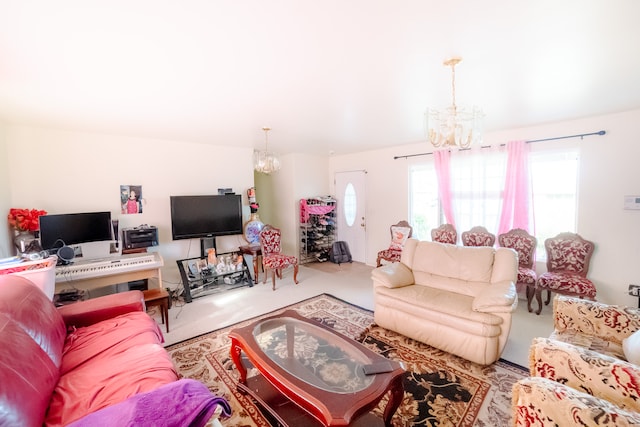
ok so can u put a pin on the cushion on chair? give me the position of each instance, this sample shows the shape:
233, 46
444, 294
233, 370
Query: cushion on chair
523, 244
568, 255
477, 238
567, 283
526, 276
544, 402
590, 342
270, 242
600, 375
391, 255
399, 236
276, 261
593, 325
445, 236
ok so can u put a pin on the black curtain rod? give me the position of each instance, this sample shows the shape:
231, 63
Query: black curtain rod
581, 136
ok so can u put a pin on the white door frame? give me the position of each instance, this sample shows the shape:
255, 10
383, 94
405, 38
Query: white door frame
355, 234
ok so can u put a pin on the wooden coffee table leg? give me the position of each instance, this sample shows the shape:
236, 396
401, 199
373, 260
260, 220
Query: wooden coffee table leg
397, 394
234, 352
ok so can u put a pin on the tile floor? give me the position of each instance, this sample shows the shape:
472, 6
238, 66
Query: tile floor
350, 282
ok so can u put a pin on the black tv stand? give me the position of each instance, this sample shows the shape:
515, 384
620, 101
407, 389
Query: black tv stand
204, 246
199, 278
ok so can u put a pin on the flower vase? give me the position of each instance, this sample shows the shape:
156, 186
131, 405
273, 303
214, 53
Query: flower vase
23, 241
252, 229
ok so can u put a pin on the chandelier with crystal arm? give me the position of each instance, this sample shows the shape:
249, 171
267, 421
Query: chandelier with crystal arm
264, 161
454, 126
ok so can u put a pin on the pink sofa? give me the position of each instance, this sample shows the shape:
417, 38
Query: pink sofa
59, 365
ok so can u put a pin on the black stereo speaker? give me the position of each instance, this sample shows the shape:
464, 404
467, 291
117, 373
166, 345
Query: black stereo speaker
66, 254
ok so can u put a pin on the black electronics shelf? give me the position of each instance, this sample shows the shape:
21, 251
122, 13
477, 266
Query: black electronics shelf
200, 279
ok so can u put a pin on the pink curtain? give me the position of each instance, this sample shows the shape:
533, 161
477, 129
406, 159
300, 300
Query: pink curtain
443, 171
515, 202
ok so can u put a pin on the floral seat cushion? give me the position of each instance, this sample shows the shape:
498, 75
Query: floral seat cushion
567, 283
591, 342
278, 261
599, 375
390, 255
527, 276
596, 326
543, 402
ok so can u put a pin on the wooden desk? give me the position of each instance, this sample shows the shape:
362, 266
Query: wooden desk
256, 253
152, 271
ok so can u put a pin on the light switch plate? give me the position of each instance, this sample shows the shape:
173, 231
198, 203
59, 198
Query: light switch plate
632, 202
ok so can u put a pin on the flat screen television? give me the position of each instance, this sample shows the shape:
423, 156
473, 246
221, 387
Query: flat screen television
75, 228
205, 216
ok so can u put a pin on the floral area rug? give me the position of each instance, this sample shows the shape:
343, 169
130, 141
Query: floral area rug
440, 389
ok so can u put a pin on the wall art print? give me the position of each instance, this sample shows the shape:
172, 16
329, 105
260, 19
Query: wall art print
131, 199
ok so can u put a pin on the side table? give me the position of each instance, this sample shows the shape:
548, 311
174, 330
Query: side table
159, 298
256, 253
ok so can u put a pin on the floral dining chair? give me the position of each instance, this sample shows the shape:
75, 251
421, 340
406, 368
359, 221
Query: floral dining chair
524, 244
446, 233
400, 232
273, 260
478, 236
568, 258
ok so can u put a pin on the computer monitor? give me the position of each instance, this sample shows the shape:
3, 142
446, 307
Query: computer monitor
89, 233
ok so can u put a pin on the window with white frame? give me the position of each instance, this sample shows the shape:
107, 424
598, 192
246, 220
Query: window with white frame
477, 183
554, 185
477, 188
424, 207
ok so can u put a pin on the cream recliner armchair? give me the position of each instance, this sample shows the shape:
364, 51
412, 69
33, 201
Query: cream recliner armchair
586, 373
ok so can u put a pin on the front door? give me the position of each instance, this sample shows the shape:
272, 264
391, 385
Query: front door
352, 225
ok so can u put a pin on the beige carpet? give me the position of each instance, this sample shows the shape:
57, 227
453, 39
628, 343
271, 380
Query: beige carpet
440, 389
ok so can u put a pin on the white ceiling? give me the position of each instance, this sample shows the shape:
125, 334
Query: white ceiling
331, 75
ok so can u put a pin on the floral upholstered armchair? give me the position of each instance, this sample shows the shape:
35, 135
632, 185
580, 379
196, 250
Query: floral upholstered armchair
400, 232
587, 372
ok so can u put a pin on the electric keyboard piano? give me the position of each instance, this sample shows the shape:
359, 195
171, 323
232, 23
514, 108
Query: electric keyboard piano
96, 273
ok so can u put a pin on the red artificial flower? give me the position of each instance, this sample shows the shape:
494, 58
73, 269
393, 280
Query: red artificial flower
25, 219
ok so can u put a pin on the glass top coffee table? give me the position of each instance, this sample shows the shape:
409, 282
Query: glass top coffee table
310, 373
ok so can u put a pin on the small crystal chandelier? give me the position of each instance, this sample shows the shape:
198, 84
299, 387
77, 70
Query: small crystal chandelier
264, 161
454, 126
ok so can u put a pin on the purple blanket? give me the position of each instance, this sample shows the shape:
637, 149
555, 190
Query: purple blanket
181, 403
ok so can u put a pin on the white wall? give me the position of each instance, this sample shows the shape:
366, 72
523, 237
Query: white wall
71, 171
6, 248
301, 176
65, 172
608, 172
